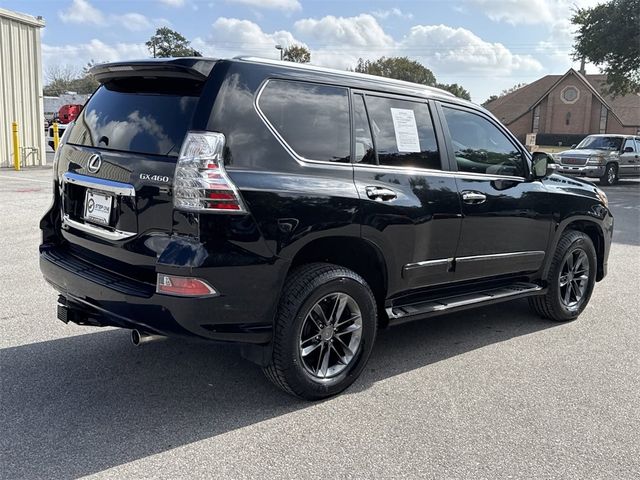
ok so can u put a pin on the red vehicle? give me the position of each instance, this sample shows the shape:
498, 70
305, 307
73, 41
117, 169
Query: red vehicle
66, 114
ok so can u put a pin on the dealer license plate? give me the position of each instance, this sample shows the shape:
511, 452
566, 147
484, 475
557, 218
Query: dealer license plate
97, 207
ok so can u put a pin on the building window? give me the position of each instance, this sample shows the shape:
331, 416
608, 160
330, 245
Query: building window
603, 119
536, 119
567, 120
570, 94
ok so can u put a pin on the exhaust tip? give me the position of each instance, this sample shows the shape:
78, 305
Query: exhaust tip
135, 337
138, 337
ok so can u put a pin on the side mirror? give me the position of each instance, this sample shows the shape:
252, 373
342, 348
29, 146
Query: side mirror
628, 150
543, 165
574, 145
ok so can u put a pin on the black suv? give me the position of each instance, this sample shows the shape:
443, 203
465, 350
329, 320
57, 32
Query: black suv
295, 210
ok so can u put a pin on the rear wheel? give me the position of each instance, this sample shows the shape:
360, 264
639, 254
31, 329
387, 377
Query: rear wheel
324, 332
610, 176
571, 278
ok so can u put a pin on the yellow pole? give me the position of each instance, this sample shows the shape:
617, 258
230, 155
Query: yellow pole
56, 137
16, 145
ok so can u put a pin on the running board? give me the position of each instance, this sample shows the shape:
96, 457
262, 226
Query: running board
400, 313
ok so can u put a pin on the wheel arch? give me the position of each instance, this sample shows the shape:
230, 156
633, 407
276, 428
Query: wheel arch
354, 253
589, 227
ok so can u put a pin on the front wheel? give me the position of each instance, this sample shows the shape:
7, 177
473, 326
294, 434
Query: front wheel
571, 278
324, 331
610, 176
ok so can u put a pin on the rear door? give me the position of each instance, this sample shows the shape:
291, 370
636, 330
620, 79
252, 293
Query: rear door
117, 166
410, 205
506, 218
629, 162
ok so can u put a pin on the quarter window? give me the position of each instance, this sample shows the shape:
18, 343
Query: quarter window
480, 147
403, 133
312, 119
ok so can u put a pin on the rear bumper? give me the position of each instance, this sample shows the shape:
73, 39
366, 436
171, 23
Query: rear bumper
592, 171
95, 296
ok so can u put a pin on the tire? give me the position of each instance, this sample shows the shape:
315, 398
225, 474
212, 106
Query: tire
610, 176
325, 286
557, 304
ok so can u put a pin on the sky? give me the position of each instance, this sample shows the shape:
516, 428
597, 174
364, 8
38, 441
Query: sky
484, 45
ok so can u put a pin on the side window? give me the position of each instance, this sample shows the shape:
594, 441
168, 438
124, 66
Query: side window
364, 141
312, 119
403, 133
629, 144
480, 147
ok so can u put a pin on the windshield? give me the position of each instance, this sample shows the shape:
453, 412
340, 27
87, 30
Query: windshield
600, 143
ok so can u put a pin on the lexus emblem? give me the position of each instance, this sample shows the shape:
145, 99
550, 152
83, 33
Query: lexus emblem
95, 161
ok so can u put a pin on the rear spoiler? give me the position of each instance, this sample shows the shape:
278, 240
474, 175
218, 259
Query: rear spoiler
191, 68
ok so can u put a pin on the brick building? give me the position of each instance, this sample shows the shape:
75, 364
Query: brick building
563, 109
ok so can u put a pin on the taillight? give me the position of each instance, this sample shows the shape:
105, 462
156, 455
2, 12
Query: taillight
200, 182
184, 286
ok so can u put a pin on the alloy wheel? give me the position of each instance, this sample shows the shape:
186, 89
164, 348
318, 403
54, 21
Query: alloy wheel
611, 175
330, 335
574, 278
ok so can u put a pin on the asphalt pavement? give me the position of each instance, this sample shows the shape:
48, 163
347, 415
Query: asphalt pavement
491, 393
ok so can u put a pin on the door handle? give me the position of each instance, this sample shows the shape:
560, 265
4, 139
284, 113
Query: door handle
474, 198
380, 194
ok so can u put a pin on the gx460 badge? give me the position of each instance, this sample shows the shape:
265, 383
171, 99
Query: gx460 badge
154, 178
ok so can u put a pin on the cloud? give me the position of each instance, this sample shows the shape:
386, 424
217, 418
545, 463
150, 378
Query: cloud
134, 21
285, 5
173, 3
95, 50
516, 12
232, 36
82, 12
393, 12
362, 31
450, 50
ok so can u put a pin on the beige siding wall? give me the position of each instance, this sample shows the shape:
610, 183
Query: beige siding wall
21, 85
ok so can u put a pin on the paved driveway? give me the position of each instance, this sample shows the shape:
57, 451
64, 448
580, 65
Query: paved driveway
491, 393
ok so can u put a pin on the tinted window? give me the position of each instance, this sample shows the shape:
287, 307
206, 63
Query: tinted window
403, 133
364, 142
312, 119
629, 143
144, 116
480, 147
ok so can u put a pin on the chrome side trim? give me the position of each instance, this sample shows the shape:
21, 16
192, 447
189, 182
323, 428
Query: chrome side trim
117, 188
496, 256
428, 263
97, 231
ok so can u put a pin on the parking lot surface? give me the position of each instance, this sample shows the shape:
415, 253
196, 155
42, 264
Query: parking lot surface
488, 393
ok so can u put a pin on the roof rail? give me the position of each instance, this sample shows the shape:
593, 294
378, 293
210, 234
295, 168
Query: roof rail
373, 78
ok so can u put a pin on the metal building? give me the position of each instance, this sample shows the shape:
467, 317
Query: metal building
21, 87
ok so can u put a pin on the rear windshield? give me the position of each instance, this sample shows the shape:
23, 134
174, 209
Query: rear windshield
139, 115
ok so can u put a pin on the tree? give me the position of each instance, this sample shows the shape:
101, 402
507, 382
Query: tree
490, 99
456, 89
66, 78
297, 53
608, 35
169, 43
400, 68
504, 92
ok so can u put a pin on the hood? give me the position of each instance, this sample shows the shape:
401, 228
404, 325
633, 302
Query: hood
585, 152
572, 185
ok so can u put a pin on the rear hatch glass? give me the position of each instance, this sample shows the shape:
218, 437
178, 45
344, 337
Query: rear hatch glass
141, 115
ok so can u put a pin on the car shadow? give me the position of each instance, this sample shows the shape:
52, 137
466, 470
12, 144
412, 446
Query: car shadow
83, 404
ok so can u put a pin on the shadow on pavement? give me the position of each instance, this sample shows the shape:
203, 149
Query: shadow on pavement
83, 404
